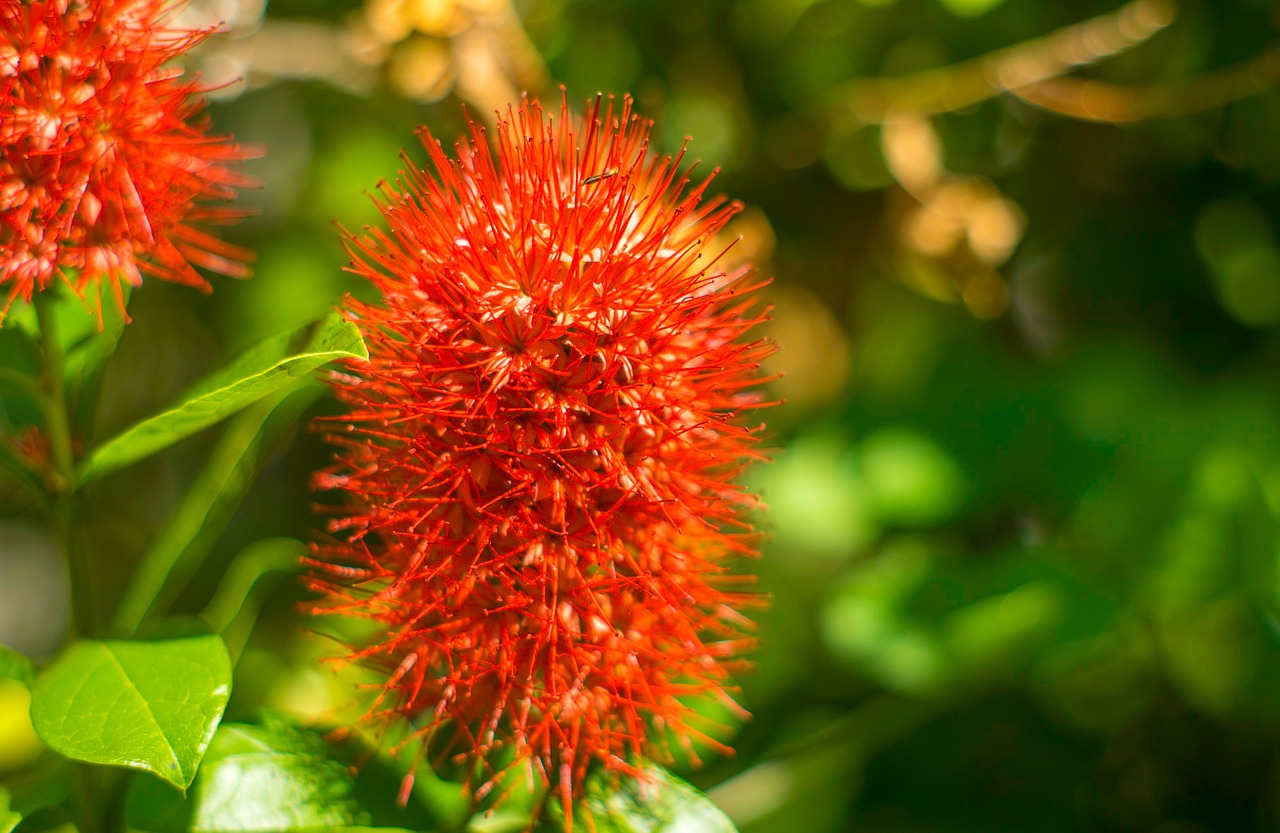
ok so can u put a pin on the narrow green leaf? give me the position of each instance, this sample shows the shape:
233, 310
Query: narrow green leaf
270, 367
21, 398
91, 352
658, 802
970, 8
84, 363
19, 363
15, 666
208, 505
251, 564
151, 705
234, 608
274, 778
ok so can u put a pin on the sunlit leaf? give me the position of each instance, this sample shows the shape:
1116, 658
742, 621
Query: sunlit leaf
151, 705
255, 778
659, 802
270, 367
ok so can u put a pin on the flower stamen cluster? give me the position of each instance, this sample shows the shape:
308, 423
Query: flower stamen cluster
538, 461
105, 162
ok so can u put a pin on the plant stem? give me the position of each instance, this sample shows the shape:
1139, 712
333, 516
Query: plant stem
58, 433
55, 396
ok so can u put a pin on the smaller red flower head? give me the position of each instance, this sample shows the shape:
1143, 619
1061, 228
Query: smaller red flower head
104, 156
539, 458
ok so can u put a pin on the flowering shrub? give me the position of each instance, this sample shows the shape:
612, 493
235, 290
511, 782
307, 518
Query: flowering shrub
1023, 519
538, 460
105, 161
537, 464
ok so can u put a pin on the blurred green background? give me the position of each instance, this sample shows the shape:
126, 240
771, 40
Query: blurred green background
1024, 503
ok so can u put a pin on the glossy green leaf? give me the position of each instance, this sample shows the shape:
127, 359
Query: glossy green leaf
270, 367
151, 705
274, 778
659, 802
15, 666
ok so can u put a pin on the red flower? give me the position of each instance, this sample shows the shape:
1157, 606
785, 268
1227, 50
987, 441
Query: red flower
103, 149
539, 457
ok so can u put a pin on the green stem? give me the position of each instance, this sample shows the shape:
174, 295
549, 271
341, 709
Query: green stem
55, 396
58, 432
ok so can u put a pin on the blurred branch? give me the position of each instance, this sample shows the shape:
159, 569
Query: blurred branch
497, 61
943, 90
282, 50
951, 232
1100, 101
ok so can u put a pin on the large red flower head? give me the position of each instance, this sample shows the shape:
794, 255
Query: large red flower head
102, 149
539, 457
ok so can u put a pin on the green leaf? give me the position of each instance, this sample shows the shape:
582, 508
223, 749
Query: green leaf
74, 316
151, 705
8, 817
85, 363
15, 666
270, 367
274, 778
657, 802
90, 354
234, 608
21, 397
19, 363
177, 551
40, 786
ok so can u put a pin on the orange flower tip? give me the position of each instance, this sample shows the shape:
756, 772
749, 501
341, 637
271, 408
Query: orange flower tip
106, 169
536, 472
406, 790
